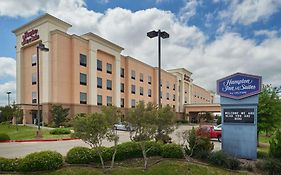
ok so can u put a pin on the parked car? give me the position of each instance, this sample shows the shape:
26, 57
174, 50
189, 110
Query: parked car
218, 127
210, 131
123, 126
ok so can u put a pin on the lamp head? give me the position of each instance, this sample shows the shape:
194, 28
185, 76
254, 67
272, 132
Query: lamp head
152, 34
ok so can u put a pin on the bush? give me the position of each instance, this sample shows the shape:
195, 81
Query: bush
79, 155
105, 152
203, 155
60, 131
128, 150
41, 161
171, 151
8, 164
262, 155
275, 145
4, 136
271, 166
155, 148
219, 158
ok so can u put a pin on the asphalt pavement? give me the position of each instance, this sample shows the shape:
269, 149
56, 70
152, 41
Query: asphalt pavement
20, 149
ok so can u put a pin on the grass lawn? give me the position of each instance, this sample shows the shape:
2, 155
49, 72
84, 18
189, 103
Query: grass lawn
26, 132
166, 167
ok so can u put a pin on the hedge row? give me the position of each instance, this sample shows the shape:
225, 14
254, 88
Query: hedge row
60, 131
4, 136
38, 161
128, 150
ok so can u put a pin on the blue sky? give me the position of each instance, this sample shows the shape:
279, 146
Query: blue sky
211, 38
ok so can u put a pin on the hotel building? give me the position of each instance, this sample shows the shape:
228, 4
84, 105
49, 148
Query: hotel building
85, 72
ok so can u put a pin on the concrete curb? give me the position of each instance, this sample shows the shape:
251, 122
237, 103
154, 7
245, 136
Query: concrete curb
39, 140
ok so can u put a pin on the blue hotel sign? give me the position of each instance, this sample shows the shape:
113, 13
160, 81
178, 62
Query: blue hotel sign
239, 86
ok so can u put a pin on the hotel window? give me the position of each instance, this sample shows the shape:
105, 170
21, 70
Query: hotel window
108, 84
109, 101
83, 98
133, 89
109, 68
133, 74
161, 94
34, 78
33, 60
161, 83
149, 79
174, 87
133, 103
99, 82
122, 72
149, 93
174, 97
99, 65
83, 79
122, 87
167, 85
99, 100
167, 96
141, 90
122, 103
34, 97
185, 99
83, 60
141, 77
185, 92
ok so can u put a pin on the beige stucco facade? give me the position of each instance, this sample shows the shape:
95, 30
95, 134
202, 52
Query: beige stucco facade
108, 78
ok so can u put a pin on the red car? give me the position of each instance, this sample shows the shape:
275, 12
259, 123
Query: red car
210, 131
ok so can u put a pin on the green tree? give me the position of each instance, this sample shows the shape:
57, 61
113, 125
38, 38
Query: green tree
275, 145
92, 129
17, 113
269, 110
6, 113
59, 114
142, 118
165, 122
112, 115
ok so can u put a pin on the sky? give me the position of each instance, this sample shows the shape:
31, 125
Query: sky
210, 38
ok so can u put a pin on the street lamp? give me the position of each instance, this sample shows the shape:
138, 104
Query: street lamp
39, 47
160, 35
8, 93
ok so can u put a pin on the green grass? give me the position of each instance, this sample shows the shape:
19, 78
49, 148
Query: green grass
26, 132
167, 167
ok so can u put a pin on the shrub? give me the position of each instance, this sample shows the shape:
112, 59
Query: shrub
79, 155
203, 155
155, 148
60, 131
128, 150
271, 166
4, 136
8, 164
275, 145
105, 152
219, 158
41, 161
262, 155
171, 151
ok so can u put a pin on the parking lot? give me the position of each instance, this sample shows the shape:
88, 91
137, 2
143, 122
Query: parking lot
16, 149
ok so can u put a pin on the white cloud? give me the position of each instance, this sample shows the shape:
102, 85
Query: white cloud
4, 88
188, 10
7, 67
249, 11
267, 33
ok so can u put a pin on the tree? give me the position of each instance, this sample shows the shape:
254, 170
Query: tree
269, 110
6, 113
142, 118
17, 113
112, 115
92, 129
165, 122
59, 114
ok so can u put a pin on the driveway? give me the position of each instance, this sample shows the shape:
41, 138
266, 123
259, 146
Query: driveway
20, 149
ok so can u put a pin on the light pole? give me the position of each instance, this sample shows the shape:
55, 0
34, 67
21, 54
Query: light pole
39, 47
164, 35
8, 93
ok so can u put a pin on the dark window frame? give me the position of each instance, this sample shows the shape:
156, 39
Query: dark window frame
122, 72
122, 89
108, 71
133, 90
83, 83
83, 102
98, 103
82, 56
99, 68
99, 86
107, 87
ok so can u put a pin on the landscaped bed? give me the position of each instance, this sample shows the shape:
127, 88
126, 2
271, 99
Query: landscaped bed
27, 132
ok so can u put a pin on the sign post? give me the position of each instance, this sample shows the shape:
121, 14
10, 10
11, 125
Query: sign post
239, 100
